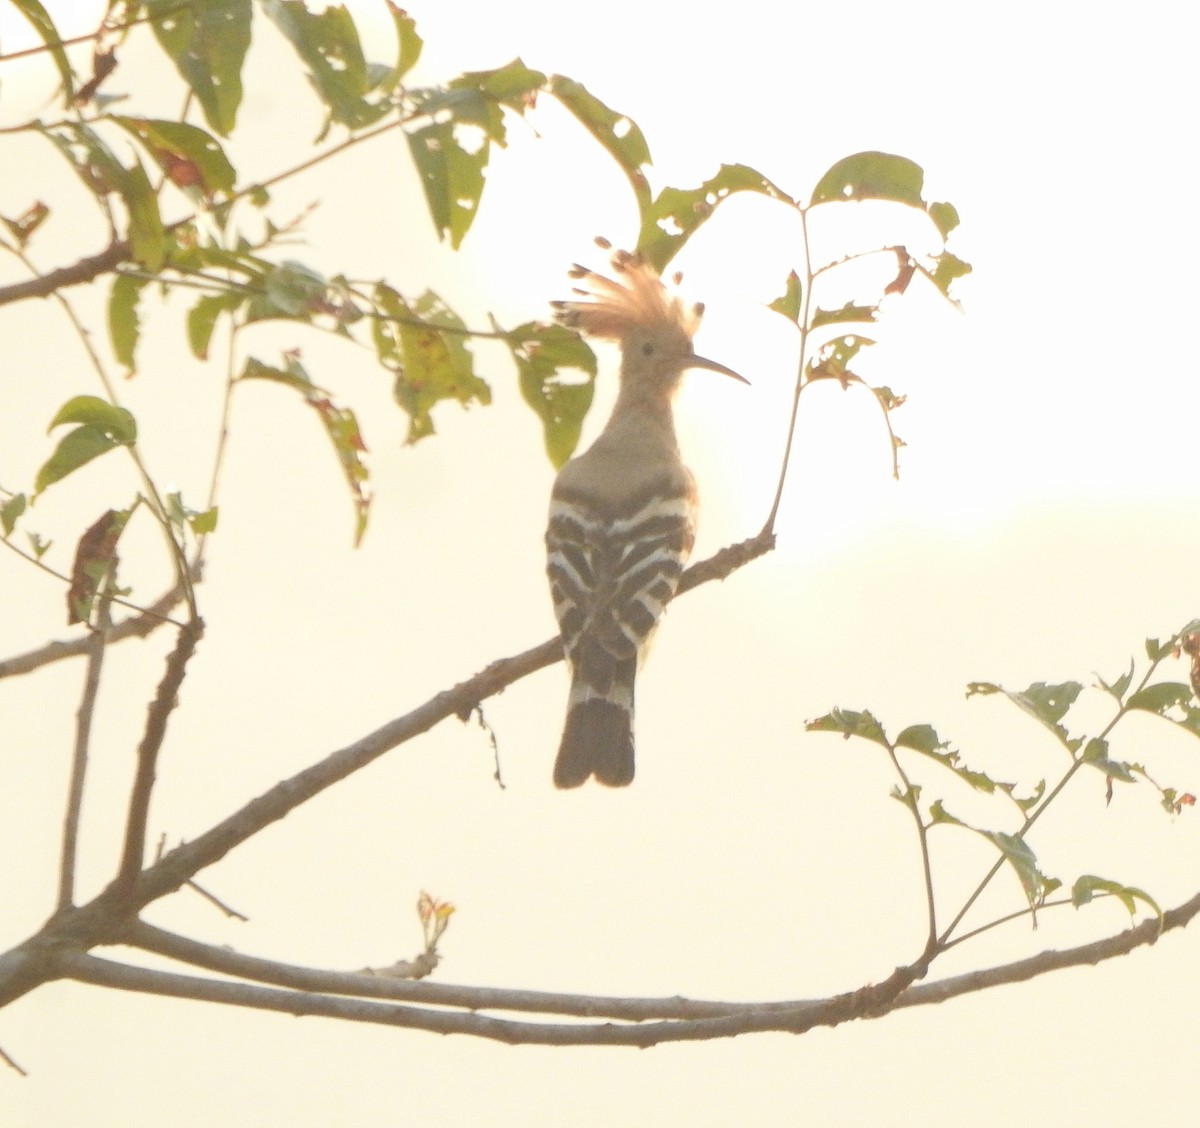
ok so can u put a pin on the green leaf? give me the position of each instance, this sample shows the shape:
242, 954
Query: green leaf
410, 44
328, 44
939, 815
513, 85
202, 319
423, 344
1120, 687
202, 523
75, 449
921, 738
1160, 697
924, 739
1087, 887
340, 425
10, 511
618, 134
1018, 854
850, 722
849, 312
872, 176
676, 213
37, 15
945, 217
207, 43
1095, 754
184, 516
451, 177
541, 352
101, 171
123, 325
146, 235
1157, 651
1046, 703
947, 268
788, 303
95, 412
186, 154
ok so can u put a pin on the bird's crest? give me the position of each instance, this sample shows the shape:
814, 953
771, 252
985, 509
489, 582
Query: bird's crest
635, 299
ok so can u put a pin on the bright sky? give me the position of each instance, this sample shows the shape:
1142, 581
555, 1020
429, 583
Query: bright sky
1040, 530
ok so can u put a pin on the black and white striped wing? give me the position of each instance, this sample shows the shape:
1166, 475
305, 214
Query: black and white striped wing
611, 575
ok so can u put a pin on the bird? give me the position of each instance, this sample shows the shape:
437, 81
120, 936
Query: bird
622, 514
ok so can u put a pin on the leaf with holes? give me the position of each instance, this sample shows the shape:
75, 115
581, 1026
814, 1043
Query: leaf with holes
618, 134
1044, 702
189, 156
329, 46
513, 85
541, 353
422, 343
676, 214
451, 177
207, 43
833, 359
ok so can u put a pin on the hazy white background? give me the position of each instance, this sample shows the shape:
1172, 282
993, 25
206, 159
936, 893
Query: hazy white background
1041, 529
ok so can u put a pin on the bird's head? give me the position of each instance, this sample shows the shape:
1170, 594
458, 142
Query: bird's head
652, 325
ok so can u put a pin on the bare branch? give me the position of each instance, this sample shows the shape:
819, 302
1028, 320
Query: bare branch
85, 270
646, 1021
136, 626
185, 861
156, 730
83, 731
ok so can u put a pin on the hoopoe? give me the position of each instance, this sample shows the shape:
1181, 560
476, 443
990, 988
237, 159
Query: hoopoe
622, 514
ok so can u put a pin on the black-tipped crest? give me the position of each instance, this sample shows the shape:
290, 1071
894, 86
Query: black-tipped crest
635, 300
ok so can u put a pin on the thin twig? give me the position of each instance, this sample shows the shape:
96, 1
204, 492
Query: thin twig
96, 644
910, 801
801, 383
147, 758
1037, 812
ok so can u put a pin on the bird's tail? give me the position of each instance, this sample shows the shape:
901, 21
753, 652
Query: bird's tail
597, 740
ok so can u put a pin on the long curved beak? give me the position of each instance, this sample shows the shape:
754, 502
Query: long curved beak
713, 366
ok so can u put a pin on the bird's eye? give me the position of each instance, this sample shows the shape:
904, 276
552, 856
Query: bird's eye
647, 349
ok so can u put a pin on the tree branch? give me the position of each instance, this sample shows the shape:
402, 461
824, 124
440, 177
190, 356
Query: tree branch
185, 861
85, 270
156, 731
97, 641
645, 1022
136, 626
